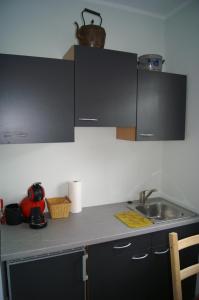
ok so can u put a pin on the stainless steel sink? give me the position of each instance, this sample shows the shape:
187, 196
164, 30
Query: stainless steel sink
159, 210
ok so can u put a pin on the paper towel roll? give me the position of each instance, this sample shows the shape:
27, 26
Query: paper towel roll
75, 195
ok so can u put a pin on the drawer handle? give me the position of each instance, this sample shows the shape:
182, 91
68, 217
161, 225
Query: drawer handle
146, 134
122, 247
88, 119
140, 257
161, 252
84, 259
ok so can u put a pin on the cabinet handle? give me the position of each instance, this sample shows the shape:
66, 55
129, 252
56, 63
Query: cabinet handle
88, 119
10, 134
140, 257
146, 134
122, 247
161, 252
7, 135
84, 260
20, 134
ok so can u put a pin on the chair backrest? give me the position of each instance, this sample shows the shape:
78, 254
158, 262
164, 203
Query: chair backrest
179, 274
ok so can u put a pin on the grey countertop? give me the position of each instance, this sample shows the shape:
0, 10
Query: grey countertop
93, 225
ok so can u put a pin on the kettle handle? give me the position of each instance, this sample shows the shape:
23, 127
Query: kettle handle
91, 12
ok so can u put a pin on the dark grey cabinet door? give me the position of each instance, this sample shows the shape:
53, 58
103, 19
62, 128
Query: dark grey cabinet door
161, 271
120, 269
57, 276
161, 267
161, 106
138, 268
105, 87
36, 100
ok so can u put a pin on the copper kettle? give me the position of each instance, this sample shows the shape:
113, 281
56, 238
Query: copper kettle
91, 35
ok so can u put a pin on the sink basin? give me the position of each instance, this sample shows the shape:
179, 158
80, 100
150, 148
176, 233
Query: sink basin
159, 209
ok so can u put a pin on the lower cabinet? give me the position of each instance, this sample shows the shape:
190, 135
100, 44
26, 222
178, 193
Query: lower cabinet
53, 276
161, 262
117, 270
138, 268
161, 271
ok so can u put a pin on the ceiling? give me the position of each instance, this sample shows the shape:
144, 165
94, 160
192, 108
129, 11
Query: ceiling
158, 8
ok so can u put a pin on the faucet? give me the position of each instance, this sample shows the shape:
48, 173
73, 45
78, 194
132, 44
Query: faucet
143, 196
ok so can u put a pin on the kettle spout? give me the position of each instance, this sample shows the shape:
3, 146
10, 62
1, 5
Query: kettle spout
77, 29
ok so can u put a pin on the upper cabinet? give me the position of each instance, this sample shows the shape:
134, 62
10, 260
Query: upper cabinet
161, 106
36, 100
42, 99
105, 87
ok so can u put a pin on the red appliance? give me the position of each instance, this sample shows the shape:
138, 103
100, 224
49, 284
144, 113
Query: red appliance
35, 198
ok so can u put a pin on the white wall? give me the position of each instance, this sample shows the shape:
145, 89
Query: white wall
181, 159
46, 28
111, 170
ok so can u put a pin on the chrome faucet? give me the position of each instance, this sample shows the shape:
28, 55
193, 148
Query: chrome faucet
143, 196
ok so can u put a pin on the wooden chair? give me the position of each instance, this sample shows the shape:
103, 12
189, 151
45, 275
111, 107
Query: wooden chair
180, 274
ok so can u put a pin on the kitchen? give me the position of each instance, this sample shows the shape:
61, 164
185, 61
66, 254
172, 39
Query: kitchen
111, 170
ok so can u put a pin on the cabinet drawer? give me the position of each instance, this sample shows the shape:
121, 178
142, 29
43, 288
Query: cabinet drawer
135, 247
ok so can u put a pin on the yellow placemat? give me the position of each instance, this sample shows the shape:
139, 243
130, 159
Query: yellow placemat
133, 219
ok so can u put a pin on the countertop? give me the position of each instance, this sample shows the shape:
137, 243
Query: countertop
93, 225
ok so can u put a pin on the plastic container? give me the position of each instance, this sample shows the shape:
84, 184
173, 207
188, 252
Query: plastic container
58, 207
13, 214
150, 62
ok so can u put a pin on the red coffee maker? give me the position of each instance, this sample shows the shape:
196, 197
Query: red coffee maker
33, 206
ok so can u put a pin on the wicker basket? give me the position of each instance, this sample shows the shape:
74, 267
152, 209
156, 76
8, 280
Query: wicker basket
58, 207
